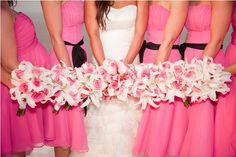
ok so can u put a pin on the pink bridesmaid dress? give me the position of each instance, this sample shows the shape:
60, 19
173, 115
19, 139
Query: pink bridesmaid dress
200, 133
67, 127
225, 122
161, 131
22, 134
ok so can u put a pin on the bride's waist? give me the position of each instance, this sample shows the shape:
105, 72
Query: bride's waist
114, 35
115, 50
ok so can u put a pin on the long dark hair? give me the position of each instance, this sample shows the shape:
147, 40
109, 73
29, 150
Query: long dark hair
103, 8
12, 3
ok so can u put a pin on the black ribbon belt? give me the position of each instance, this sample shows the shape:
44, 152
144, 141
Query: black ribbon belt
199, 46
78, 54
151, 46
78, 58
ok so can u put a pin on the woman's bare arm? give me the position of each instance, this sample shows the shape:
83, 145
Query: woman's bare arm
9, 59
220, 21
231, 68
53, 18
93, 31
174, 26
140, 28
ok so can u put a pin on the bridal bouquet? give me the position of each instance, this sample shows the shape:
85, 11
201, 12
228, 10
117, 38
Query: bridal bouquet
111, 79
192, 82
91, 84
32, 85
205, 79
151, 84
118, 78
65, 84
156, 83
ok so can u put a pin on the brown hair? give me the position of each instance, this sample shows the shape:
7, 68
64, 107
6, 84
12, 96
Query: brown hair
103, 8
12, 3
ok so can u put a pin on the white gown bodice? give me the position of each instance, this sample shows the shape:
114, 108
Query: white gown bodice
119, 32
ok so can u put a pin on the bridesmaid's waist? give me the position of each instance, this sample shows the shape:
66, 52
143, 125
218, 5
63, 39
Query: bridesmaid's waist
72, 33
157, 37
73, 27
198, 36
116, 37
151, 46
154, 46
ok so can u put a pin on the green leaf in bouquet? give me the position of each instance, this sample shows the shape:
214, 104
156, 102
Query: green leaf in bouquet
20, 112
187, 103
67, 106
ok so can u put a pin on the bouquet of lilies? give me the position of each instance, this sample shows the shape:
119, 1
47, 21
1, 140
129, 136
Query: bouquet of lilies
150, 84
32, 86
205, 79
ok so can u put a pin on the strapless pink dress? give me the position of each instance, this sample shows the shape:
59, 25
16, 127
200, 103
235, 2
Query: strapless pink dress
225, 122
200, 134
66, 129
21, 134
161, 131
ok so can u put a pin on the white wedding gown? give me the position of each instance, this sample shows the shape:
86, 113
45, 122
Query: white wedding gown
111, 128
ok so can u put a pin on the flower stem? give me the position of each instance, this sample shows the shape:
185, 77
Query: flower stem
67, 106
187, 103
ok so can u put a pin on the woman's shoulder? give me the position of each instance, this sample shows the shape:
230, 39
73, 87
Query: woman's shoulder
5, 14
6, 17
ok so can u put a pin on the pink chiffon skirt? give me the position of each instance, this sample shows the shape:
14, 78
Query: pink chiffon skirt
66, 128
225, 122
161, 131
22, 134
199, 139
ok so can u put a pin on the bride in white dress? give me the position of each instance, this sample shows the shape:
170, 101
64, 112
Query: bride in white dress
116, 31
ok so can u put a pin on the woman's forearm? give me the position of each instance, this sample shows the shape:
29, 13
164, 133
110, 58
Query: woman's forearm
219, 26
164, 51
61, 51
97, 48
134, 48
231, 69
174, 26
213, 48
53, 18
6, 78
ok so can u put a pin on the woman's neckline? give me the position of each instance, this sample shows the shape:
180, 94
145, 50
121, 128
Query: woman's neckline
64, 2
199, 5
158, 5
127, 6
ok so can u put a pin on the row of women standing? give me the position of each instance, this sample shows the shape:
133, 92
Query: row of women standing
116, 31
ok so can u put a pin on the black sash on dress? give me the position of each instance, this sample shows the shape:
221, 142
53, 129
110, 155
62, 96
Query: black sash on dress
199, 46
78, 54
78, 58
151, 46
